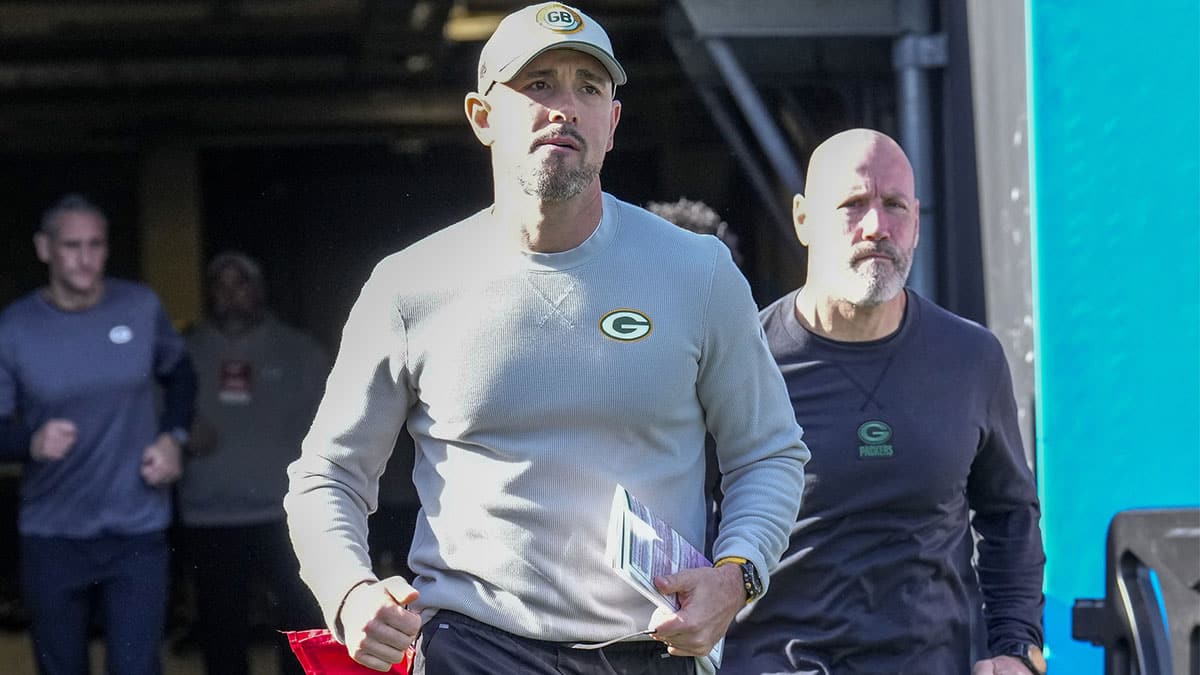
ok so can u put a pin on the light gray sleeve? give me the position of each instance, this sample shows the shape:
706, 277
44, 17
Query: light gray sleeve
334, 484
748, 412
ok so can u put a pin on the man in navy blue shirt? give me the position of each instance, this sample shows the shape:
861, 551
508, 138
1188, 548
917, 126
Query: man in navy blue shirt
82, 361
910, 413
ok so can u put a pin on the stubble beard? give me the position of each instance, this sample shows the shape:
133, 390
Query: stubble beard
557, 183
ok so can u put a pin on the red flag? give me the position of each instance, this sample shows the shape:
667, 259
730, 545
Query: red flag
320, 654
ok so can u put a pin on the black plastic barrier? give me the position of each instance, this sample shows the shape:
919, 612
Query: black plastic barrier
1146, 630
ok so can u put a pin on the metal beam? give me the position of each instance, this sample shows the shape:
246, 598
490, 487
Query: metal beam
696, 61
913, 55
197, 114
793, 18
192, 72
780, 217
757, 115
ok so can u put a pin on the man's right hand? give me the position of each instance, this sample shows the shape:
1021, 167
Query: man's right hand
53, 440
375, 624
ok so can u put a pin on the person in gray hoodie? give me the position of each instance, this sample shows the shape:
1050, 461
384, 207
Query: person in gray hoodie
259, 382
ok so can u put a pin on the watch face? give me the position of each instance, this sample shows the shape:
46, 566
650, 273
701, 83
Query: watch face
1034, 654
751, 579
1031, 656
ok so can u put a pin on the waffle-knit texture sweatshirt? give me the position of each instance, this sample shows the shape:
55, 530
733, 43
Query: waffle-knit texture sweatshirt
525, 415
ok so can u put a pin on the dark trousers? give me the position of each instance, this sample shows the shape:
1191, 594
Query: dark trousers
453, 644
224, 561
126, 576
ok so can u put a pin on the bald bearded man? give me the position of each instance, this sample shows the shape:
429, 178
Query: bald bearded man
911, 415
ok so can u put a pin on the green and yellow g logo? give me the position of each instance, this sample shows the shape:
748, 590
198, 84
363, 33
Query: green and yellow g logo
625, 325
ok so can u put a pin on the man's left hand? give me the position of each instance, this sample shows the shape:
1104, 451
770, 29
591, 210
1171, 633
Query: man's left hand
709, 598
162, 461
1000, 665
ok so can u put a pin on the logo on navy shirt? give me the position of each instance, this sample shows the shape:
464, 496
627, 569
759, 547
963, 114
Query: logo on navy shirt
876, 438
119, 335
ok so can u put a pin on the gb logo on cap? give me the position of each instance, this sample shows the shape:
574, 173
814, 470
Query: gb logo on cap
560, 19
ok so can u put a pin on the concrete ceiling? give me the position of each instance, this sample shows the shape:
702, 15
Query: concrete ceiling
116, 73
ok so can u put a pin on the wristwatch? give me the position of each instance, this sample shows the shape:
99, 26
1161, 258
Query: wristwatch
750, 579
1030, 655
180, 435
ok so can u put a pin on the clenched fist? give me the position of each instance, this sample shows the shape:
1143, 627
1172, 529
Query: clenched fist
53, 440
162, 461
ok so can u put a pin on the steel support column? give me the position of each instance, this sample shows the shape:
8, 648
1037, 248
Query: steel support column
913, 55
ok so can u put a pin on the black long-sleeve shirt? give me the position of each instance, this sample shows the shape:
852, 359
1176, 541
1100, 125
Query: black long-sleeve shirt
179, 395
14, 439
908, 434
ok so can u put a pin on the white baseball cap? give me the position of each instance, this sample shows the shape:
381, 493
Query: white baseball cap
525, 34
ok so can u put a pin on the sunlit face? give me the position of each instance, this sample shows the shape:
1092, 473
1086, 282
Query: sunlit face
860, 219
75, 250
549, 127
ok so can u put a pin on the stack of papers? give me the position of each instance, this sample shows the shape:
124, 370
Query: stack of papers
642, 546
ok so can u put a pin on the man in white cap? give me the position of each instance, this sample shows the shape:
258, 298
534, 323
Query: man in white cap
552, 346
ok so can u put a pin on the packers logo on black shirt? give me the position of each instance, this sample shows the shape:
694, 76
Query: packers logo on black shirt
625, 325
876, 438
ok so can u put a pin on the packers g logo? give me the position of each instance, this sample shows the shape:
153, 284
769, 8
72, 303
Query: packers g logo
876, 437
625, 325
874, 432
560, 19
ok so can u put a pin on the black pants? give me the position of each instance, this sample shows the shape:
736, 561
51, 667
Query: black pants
453, 644
223, 561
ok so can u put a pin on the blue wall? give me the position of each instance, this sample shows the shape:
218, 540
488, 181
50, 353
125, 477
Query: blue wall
1115, 148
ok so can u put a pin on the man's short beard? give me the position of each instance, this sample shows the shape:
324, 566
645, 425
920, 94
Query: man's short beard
879, 290
871, 290
556, 184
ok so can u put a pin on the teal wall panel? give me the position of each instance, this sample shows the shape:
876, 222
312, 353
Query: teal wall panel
1115, 178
